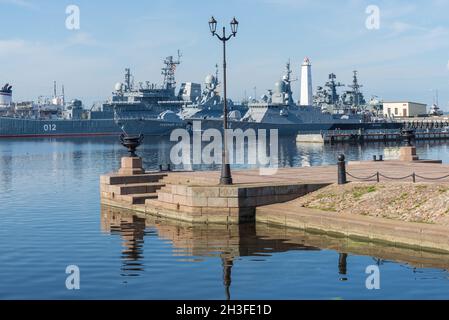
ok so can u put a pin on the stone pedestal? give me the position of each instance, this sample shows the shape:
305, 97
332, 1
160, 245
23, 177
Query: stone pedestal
131, 166
408, 154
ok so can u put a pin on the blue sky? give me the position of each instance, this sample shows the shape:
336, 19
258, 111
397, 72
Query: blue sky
404, 59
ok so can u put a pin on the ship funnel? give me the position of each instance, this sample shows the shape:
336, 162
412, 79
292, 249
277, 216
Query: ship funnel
5, 95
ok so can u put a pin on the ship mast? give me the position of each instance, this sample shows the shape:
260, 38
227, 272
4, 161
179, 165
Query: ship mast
54, 90
287, 80
168, 71
128, 79
436, 97
355, 90
332, 85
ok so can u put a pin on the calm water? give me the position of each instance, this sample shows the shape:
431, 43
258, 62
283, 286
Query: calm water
51, 218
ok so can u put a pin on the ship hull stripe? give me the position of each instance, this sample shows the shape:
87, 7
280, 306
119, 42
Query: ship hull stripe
62, 135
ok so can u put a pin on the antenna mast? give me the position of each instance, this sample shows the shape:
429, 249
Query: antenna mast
168, 71
332, 85
355, 89
128, 79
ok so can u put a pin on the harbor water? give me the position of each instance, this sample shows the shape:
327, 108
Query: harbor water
51, 218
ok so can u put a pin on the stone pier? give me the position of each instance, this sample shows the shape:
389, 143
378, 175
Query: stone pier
196, 197
131, 185
220, 204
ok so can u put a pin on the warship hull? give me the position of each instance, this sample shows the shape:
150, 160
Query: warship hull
23, 128
295, 128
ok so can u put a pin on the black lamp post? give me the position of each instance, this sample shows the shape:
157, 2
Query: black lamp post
226, 177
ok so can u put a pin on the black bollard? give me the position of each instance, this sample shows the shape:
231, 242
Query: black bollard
341, 164
165, 168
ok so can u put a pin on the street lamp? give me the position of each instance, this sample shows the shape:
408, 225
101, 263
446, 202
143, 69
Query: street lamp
226, 177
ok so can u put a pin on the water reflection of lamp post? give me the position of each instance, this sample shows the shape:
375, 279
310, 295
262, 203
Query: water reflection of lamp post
226, 177
342, 265
227, 263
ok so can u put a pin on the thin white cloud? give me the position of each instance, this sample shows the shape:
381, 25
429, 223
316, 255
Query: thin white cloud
19, 3
81, 38
11, 46
401, 27
32, 67
289, 3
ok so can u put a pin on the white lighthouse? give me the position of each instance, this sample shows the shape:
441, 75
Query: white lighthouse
306, 98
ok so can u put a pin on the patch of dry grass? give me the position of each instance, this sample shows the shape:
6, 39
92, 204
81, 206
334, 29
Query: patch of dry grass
419, 202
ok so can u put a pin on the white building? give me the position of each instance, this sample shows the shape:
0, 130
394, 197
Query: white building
306, 98
404, 109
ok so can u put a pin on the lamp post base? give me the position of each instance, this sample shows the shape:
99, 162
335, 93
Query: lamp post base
226, 181
226, 178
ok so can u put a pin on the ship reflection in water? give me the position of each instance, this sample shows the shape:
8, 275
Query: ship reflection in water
229, 243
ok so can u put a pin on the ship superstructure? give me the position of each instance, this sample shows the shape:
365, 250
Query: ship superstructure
351, 101
209, 105
280, 107
147, 99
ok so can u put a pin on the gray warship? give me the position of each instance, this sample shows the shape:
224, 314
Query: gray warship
329, 111
143, 108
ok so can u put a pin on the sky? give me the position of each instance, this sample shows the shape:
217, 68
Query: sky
405, 58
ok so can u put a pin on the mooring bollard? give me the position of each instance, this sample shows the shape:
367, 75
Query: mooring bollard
341, 164
166, 168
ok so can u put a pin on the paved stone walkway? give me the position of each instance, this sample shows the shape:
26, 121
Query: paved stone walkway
321, 174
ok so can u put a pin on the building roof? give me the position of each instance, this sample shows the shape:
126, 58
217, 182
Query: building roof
409, 102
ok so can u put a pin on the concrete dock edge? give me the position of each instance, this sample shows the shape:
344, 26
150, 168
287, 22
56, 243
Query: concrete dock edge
373, 229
